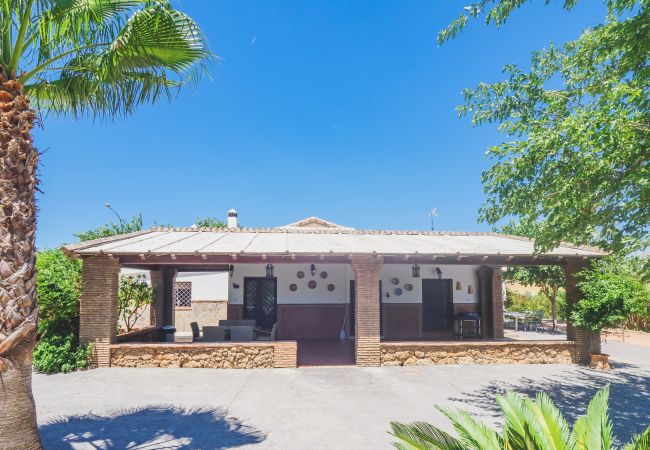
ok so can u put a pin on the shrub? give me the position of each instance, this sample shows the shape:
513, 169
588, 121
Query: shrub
58, 288
60, 353
612, 291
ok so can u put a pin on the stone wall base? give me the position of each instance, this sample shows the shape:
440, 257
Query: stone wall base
245, 355
426, 353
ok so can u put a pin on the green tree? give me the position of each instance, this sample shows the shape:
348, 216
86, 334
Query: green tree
98, 58
528, 425
549, 279
134, 295
612, 291
577, 154
58, 289
209, 222
112, 229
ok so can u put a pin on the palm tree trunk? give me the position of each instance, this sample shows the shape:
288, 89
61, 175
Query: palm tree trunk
18, 312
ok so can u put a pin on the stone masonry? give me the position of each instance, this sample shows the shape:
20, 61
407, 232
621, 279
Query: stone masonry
252, 355
98, 306
367, 326
427, 353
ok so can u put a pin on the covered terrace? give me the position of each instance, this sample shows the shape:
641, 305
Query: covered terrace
395, 297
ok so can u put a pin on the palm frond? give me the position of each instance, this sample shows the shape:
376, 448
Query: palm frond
151, 52
423, 436
157, 37
640, 441
473, 433
594, 430
554, 431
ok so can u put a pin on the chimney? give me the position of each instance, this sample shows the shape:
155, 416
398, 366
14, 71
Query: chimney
232, 219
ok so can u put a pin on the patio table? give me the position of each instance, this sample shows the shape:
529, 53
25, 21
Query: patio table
515, 316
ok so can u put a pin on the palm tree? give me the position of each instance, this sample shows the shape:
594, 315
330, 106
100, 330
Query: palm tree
97, 58
528, 425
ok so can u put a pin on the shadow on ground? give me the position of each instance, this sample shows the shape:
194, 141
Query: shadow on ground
629, 402
150, 427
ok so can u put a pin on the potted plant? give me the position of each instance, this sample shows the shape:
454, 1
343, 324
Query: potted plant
612, 289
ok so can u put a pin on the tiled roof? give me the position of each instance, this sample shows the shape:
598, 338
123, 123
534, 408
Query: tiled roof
313, 241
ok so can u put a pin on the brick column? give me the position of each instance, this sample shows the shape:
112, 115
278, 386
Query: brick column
162, 306
98, 306
366, 311
498, 299
587, 341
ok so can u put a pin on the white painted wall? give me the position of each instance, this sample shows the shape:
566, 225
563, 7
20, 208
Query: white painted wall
337, 274
465, 274
341, 274
206, 286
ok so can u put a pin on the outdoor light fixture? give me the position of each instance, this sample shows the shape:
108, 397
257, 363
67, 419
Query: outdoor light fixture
269, 270
470, 290
231, 270
459, 286
415, 270
312, 269
439, 273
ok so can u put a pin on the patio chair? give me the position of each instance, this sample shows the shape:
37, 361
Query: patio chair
241, 333
214, 334
265, 335
534, 319
508, 321
196, 331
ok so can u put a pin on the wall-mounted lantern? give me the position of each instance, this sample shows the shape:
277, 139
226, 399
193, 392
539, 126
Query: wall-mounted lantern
269, 270
312, 269
470, 289
439, 273
415, 270
231, 270
459, 286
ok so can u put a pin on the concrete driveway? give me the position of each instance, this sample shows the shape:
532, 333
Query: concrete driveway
315, 408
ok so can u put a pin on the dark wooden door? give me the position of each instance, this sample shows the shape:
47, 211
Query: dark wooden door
260, 300
437, 305
353, 294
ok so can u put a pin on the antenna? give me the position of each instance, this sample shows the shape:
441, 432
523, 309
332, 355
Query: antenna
433, 214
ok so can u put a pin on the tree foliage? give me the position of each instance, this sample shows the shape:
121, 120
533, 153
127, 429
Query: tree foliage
612, 290
112, 229
529, 424
209, 222
577, 158
58, 288
134, 295
101, 58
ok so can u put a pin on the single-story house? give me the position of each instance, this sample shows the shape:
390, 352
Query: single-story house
393, 297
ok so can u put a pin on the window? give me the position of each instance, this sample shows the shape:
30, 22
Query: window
183, 294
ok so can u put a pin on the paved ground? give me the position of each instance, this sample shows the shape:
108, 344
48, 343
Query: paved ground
315, 408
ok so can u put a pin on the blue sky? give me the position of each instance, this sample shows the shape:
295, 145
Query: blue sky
338, 109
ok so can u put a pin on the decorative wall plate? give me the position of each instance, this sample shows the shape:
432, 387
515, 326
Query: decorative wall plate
311, 284
330, 287
397, 291
323, 274
300, 274
394, 280
293, 287
408, 287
